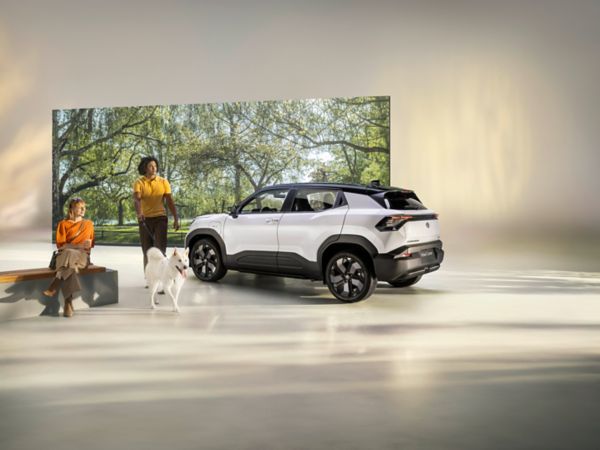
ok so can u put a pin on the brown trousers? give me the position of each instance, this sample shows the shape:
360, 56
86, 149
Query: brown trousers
154, 234
68, 263
68, 286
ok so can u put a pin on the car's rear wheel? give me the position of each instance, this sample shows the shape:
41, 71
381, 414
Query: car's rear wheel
405, 283
348, 277
206, 260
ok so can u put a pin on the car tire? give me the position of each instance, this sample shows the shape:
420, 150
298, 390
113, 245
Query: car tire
348, 278
405, 283
206, 260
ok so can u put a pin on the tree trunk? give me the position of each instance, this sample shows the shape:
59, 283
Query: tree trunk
238, 184
121, 209
56, 197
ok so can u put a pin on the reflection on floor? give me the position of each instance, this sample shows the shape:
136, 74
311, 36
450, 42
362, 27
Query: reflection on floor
469, 358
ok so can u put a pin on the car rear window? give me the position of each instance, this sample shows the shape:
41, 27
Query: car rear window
403, 200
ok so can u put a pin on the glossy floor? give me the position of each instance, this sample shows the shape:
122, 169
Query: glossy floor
469, 358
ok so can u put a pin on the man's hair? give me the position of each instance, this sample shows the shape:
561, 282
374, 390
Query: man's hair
144, 162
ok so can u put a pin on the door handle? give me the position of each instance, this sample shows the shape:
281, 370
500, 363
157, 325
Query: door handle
272, 221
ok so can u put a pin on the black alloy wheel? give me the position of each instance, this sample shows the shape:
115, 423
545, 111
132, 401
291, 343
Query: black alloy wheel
206, 260
348, 278
405, 283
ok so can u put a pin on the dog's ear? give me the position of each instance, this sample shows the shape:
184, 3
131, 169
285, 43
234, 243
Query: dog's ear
174, 251
187, 251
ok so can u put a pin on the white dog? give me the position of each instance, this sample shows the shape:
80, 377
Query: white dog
170, 272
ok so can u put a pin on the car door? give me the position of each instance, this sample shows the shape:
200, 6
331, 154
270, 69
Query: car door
251, 237
315, 215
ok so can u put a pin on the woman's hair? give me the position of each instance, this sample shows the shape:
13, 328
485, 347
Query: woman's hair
74, 202
144, 162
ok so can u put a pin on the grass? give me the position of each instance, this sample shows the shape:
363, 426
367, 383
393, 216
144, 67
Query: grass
129, 235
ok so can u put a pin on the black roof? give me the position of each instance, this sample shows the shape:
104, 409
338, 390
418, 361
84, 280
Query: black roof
346, 187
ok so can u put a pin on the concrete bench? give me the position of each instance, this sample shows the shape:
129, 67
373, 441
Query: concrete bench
21, 291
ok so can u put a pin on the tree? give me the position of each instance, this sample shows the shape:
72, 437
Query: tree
91, 146
354, 131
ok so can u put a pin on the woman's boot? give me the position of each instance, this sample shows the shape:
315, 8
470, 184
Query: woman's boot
68, 310
51, 291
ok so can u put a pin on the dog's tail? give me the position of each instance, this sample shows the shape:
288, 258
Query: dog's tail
154, 254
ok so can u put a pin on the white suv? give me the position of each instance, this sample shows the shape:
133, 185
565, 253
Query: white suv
347, 235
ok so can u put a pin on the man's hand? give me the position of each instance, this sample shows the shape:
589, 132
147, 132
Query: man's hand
140, 218
87, 244
176, 223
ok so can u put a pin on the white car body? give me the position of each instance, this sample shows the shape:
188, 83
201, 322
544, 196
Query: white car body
294, 230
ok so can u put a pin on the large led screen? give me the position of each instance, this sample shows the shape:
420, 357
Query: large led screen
213, 155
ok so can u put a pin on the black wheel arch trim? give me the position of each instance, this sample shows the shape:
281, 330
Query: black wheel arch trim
345, 239
200, 232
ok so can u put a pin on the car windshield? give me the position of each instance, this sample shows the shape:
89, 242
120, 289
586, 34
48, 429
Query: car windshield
267, 202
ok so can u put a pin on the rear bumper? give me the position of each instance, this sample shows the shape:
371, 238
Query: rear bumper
424, 258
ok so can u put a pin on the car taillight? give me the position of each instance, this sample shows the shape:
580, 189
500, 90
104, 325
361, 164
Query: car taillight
392, 223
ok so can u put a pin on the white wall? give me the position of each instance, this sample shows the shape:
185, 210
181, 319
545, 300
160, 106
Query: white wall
495, 105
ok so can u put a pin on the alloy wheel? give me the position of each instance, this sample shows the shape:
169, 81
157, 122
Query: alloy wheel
206, 261
347, 278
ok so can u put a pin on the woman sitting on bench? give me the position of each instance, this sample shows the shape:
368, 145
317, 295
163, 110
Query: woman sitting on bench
74, 239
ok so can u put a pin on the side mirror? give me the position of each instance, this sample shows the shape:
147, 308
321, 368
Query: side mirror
233, 211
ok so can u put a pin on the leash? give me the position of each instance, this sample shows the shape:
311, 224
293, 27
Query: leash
145, 225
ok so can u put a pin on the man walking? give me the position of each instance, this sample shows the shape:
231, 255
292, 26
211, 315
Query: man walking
149, 193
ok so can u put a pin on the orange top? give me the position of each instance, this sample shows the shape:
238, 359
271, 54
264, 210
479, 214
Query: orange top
66, 232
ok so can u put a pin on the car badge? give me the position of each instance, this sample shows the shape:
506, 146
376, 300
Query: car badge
427, 224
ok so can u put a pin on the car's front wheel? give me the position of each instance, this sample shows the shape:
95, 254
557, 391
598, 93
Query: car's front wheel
206, 260
348, 277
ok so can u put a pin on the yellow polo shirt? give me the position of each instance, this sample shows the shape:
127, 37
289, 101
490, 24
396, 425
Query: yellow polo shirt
152, 192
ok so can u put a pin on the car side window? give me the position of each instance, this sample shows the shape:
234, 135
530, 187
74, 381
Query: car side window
267, 202
314, 200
